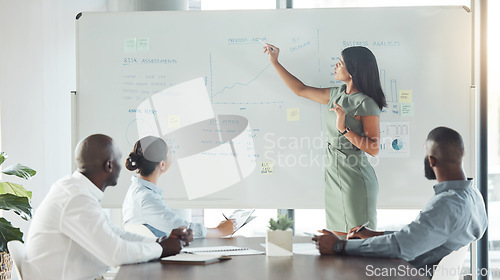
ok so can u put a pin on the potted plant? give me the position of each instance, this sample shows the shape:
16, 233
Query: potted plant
12, 197
279, 238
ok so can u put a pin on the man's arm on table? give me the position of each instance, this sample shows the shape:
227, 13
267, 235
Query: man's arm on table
87, 225
430, 229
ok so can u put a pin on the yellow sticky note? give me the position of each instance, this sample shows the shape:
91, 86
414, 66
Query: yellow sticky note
405, 96
143, 44
174, 121
266, 168
130, 44
293, 114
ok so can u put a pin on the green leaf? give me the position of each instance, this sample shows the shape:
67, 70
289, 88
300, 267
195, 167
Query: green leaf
282, 223
273, 225
3, 157
8, 233
15, 189
20, 205
20, 171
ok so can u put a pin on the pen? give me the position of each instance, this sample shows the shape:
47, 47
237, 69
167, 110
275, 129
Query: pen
362, 227
264, 43
188, 229
225, 216
185, 236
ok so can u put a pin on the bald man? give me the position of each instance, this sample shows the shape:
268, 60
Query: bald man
70, 236
454, 217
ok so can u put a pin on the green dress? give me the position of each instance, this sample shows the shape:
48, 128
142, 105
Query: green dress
351, 184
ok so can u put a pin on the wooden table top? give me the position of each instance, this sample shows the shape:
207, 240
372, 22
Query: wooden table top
264, 267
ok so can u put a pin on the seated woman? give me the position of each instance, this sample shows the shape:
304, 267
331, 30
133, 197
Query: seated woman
144, 203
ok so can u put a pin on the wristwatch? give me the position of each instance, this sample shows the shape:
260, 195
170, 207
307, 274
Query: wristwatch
338, 247
347, 129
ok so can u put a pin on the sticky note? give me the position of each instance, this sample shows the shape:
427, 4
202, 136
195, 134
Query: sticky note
174, 121
143, 44
293, 114
407, 109
405, 96
130, 44
266, 168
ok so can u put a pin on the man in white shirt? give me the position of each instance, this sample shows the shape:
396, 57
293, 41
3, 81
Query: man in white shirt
70, 235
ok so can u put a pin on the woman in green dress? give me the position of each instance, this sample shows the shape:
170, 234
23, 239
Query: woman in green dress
353, 130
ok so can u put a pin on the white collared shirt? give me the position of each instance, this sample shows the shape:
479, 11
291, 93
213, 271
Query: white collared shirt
144, 204
71, 237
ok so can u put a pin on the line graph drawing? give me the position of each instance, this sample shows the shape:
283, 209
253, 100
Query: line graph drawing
217, 96
243, 84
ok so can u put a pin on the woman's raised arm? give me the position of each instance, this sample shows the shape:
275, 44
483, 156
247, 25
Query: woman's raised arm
320, 95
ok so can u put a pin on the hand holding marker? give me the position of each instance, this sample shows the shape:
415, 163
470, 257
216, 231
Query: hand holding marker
265, 44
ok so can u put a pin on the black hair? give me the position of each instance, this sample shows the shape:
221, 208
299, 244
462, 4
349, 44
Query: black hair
362, 65
448, 144
148, 152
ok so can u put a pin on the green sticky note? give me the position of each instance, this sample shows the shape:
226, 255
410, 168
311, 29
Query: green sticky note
407, 109
143, 44
130, 45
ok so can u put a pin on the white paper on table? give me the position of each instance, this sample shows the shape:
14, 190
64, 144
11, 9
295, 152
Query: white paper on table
303, 249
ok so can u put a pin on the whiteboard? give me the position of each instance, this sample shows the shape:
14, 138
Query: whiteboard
424, 57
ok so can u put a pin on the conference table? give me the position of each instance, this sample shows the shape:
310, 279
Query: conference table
262, 267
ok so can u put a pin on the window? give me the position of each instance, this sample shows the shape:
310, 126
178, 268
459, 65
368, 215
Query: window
379, 3
237, 4
494, 139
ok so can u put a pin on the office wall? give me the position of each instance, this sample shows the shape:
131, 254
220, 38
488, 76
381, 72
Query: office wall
37, 72
22, 62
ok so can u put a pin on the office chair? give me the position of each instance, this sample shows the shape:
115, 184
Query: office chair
450, 266
18, 252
